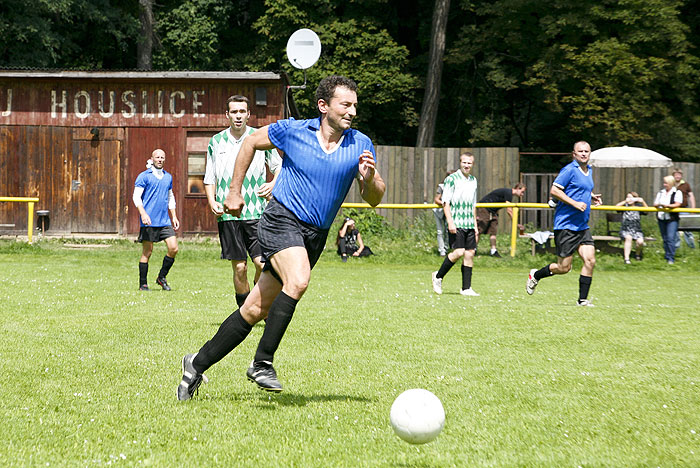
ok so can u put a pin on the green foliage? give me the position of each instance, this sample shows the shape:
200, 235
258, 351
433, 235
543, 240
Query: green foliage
354, 44
526, 73
190, 35
89, 34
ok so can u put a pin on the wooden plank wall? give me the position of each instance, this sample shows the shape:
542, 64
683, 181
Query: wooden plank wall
413, 174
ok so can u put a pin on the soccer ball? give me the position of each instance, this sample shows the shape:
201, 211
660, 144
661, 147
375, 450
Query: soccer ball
417, 416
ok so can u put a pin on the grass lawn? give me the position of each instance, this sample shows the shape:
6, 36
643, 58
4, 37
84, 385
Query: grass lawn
90, 364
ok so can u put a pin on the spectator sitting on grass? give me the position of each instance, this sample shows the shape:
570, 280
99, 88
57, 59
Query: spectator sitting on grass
349, 241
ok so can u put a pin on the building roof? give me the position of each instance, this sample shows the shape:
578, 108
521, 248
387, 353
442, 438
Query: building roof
147, 75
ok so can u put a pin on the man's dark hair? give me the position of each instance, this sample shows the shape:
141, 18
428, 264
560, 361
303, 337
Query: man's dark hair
326, 88
238, 98
519, 186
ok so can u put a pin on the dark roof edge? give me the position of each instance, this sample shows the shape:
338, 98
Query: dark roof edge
148, 75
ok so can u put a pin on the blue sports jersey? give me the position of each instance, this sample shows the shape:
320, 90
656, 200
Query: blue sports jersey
155, 196
313, 183
577, 186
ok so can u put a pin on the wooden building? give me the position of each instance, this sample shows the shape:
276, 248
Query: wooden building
78, 140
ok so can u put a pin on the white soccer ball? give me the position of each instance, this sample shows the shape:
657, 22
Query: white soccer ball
417, 416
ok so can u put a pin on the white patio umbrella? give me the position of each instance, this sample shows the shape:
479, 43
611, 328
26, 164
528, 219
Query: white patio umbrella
628, 156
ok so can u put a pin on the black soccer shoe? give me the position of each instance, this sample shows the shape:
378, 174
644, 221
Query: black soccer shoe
191, 379
163, 284
144, 287
496, 254
264, 375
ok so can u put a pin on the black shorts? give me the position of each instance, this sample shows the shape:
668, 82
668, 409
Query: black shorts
280, 229
238, 239
567, 242
463, 239
155, 234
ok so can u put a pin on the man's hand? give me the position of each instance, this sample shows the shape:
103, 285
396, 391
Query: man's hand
451, 227
366, 166
176, 223
597, 199
145, 219
233, 204
579, 205
265, 190
217, 208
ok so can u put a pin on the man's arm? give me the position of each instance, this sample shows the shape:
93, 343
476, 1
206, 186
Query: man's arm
138, 202
372, 185
171, 207
691, 200
559, 194
260, 140
216, 207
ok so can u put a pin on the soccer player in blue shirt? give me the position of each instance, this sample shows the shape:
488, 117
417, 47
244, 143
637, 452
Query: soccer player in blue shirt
573, 188
153, 197
322, 157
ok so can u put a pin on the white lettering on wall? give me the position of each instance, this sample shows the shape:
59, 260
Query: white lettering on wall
55, 104
8, 108
101, 105
76, 104
144, 106
196, 104
173, 95
128, 103
160, 103
132, 103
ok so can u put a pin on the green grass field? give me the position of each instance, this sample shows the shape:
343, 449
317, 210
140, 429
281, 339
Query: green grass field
90, 364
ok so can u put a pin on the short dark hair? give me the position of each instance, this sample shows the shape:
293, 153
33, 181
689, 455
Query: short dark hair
326, 88
519, 186
238, 98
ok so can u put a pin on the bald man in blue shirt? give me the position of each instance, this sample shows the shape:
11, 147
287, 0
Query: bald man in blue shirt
321, 158
573, 188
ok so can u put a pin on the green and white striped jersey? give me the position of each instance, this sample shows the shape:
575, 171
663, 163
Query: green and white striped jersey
460, 192
221, 158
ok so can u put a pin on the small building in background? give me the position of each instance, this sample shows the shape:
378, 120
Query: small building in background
78, 140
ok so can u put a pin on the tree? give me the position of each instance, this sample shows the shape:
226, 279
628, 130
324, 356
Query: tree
144, 51
431, 99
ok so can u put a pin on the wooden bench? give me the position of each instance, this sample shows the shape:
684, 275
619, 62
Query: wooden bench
602, 243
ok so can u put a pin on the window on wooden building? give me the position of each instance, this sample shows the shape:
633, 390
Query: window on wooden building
196, 161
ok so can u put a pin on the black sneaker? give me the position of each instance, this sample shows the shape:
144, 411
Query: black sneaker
496, 254
163, 284
144, 287
191, 379
263, 374
344, 258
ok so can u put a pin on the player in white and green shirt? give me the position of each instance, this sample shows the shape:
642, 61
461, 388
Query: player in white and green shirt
238, 235
459, 204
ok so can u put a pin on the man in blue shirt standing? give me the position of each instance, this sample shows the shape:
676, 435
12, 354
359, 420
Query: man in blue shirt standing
322, 157
153, 197
573, 188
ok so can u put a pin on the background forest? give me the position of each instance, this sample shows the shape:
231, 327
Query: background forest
532, 74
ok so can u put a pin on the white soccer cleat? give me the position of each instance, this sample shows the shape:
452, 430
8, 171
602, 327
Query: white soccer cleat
531, 282
468, 292
584, 303
437, 283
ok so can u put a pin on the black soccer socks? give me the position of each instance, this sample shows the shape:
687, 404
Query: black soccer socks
240, 298
167, 263
466, 277
584, 285
281, 312
543, 272
143, 273
444, 268
230, 334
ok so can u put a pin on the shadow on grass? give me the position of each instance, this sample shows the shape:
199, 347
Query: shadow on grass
295, 399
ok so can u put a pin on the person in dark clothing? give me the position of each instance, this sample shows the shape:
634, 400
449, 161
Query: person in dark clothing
350, 242
487, 218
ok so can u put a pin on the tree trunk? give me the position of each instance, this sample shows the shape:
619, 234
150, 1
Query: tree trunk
144, 47
431, 99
